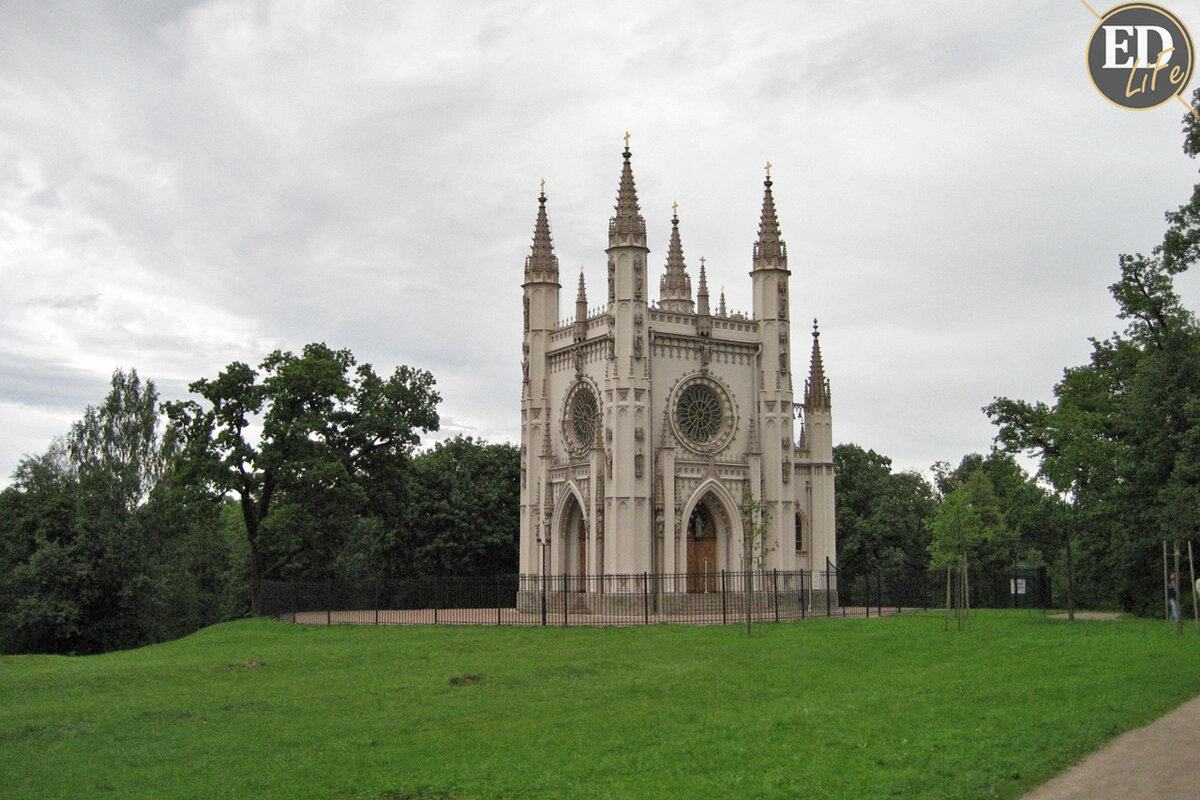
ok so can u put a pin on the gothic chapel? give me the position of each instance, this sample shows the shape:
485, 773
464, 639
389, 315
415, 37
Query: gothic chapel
643, 424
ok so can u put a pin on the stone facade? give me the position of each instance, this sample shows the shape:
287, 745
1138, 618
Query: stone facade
643, 424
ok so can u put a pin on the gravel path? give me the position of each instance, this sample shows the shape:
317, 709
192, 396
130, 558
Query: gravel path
1156, 762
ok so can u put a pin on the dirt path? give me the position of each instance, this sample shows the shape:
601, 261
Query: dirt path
1151, 763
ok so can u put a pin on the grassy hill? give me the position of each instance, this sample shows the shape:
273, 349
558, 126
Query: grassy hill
823, 709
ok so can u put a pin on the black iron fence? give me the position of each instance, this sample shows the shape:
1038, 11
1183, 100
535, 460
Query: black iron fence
721, 597
635, 599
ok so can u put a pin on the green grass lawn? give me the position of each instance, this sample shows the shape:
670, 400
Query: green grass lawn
823, 709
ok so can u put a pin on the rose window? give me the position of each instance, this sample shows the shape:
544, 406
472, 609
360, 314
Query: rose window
584, 417
698, 413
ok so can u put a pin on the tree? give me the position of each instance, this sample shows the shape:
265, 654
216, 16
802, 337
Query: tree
335, 444
881, 520
969, 525
968, 530
464, 510
102, 548
1029, 509
1121, 443
756, 519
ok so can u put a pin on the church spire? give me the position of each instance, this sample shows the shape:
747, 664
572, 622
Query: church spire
581, 310
628, 226
702, 292
675, 287
770, 252
541, 265
816, 388
581, 299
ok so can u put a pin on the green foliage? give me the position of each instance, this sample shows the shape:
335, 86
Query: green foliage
969, 524
103, 546
1033, 514
326, 478
463, 517
1121, 443
881, 517
882, 708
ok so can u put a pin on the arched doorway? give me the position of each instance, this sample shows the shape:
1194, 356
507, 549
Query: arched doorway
702, 547
573, 535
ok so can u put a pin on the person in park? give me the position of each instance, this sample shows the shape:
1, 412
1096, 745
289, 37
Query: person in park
1173, 597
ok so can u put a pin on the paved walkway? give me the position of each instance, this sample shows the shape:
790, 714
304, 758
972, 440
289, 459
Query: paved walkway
1151, 763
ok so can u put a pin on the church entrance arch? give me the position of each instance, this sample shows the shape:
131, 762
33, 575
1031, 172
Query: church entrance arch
707, 544
572, 532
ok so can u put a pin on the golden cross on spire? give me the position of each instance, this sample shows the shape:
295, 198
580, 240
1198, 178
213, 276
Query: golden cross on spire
543, 185
675, 209
626, 140
768, 170
701, 262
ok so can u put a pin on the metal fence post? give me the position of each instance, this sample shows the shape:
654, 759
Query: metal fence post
724, 617
828, 609
879, 588
328, 601
803, 599
775, 591
645, 599
496, 597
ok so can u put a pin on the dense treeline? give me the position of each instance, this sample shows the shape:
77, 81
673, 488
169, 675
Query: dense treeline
148, 520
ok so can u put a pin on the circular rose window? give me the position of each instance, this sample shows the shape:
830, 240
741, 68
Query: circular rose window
699, 413
584, 417
702, 415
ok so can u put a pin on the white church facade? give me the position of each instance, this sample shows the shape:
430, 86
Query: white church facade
647, 426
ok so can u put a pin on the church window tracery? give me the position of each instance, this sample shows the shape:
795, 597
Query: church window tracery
699, 413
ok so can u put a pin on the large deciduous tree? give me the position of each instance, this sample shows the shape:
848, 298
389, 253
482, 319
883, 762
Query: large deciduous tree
329, 463
463, 513
881, 520
100, 546
1121, 442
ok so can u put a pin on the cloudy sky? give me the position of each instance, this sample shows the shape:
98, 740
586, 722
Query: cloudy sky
186, 184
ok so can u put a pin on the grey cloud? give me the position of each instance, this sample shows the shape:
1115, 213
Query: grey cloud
38, 382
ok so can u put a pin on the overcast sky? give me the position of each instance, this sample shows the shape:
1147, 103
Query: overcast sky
186, 184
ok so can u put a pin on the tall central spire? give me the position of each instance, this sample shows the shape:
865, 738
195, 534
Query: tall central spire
770, 252
675, 287
541, 265
628, 226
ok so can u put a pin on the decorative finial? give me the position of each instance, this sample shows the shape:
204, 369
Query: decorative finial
543, 185
768, 170
626, 140
581, 268
701, 262
675, 209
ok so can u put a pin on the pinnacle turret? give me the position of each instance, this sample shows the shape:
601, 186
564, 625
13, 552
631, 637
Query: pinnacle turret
770, 252
675, 288
581, 299
816, 388
702, 292
541, 265
628, 226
